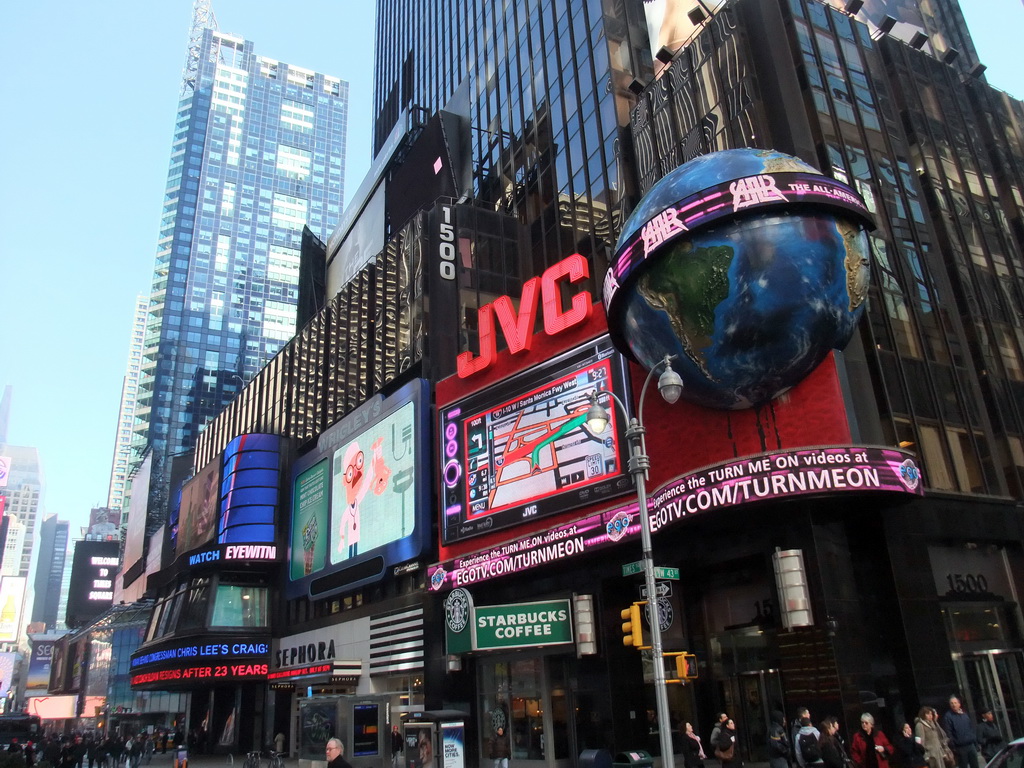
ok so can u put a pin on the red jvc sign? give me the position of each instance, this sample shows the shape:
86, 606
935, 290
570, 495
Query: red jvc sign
517, 327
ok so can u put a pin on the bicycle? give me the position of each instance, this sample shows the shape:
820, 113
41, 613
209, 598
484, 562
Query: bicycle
252, 759
276, 760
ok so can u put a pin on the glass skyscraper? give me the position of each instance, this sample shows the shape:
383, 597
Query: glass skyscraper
258, 152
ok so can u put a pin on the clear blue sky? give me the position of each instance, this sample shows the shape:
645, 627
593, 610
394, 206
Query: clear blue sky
89, 103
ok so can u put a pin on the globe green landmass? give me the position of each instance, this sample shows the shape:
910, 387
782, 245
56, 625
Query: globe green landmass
693, 282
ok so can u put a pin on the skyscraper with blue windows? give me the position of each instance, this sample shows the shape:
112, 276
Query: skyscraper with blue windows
258, 152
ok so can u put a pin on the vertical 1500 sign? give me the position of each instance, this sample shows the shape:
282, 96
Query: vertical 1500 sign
446, 247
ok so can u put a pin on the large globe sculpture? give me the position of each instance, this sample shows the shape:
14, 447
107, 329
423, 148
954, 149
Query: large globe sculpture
748, 266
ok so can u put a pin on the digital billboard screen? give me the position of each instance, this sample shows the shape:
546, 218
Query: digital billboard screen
93, 568
12, 599
232, 501
522, 450
200, 508
39, 665
360, 498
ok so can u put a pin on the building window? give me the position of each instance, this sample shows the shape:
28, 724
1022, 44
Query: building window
237, 606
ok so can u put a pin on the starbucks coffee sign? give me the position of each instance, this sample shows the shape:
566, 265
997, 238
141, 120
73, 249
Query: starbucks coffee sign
494, 627
523, 624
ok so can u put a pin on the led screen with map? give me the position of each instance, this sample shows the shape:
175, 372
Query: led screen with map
522, 449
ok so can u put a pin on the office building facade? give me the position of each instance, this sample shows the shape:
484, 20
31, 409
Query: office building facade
910, 586
49, 582
258, 152
126, 411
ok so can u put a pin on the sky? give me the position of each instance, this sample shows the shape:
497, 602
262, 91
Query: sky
90, 93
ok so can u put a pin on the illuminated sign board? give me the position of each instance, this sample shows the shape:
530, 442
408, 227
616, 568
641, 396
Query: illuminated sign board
722, 201
12, 599
764, 477
522, 450
231, 650
200, 508
360, 499
236, 672
93, 569
233, 500
517, 325
313, 669
522, 625
251, 553
39, 664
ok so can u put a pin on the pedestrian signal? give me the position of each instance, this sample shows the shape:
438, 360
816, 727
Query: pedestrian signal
686, 666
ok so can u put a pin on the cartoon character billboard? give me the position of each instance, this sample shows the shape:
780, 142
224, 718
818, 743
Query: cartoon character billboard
359, 497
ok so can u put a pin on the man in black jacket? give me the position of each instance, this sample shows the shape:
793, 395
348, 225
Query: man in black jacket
336, 754
990, 740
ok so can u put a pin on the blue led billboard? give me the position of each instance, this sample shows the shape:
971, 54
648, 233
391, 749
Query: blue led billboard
232, 500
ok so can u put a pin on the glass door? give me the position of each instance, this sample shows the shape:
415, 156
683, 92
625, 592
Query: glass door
995, 679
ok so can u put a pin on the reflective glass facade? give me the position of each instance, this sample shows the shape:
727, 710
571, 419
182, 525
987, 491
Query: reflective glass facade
258, 152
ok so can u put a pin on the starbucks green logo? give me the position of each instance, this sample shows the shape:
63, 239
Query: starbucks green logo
456, 609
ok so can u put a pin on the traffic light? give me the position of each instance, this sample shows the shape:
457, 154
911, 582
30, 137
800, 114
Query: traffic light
632, 629
686, 666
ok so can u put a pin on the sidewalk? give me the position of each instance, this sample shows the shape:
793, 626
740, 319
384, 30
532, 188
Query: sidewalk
225, 761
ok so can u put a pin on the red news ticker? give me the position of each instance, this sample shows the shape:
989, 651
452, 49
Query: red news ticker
231, 671
316, 669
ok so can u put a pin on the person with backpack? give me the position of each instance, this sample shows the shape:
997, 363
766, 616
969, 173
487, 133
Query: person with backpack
870, 747
808, 750
778, 742
717, 730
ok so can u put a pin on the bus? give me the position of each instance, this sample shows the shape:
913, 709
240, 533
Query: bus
21, 727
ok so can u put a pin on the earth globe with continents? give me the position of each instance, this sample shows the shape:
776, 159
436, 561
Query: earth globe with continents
747, 266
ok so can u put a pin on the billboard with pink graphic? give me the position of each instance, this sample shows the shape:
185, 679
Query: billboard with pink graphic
763, 477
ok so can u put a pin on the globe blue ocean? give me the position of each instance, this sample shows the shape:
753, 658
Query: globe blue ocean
752, 303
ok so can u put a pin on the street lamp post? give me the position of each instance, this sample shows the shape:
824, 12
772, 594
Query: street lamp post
670, 385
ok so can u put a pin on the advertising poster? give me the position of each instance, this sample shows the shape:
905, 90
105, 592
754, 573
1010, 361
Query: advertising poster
453, 737
317, 723
368, 509
361, 495
523, 448
8, 661
5, 470
12, 597
309, 532
200, 508
39, 665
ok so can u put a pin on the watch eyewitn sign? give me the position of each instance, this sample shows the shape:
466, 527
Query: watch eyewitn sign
517, 327
248, 552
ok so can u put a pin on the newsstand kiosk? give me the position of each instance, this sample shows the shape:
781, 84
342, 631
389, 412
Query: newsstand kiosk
435, 739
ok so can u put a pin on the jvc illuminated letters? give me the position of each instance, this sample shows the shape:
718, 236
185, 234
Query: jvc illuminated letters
517, 327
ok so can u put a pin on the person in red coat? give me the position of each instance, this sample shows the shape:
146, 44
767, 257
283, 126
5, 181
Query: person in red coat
870, 748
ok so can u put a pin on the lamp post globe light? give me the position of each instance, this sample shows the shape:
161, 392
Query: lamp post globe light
670, 385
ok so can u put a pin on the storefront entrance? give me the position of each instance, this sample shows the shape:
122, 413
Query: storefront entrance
996, 679
529, 698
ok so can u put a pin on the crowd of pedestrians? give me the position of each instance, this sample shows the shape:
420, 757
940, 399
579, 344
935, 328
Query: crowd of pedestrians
953, 740
89, 750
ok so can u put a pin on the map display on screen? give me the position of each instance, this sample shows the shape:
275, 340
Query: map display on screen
522, 449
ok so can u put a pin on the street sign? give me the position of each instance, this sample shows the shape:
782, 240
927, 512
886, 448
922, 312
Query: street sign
631, 569
661, 589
